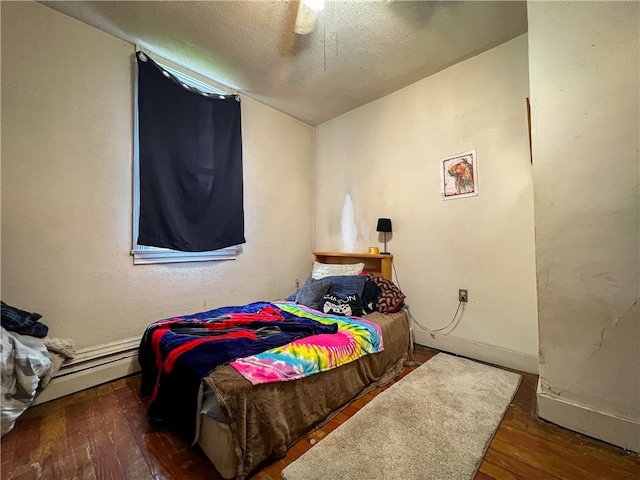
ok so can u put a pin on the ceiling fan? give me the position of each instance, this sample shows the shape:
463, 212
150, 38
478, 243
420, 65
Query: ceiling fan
307, 16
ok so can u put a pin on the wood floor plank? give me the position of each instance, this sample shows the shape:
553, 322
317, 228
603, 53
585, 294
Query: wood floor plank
114, 452
272, 469
7, 448
264, 475
501, 466
27, 441
558, 460
132, 410
489, 471
77, 451
103, 433
587, 446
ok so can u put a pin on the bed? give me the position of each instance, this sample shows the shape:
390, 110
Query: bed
241, 425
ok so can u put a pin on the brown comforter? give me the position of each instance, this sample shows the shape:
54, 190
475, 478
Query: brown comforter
266, 419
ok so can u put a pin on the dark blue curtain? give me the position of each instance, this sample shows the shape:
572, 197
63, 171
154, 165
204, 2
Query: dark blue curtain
190, 144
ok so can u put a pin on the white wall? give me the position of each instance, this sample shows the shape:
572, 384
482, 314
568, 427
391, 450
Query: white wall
386, 156
67, 191
586, 128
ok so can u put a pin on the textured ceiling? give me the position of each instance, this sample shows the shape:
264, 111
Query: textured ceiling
359, 52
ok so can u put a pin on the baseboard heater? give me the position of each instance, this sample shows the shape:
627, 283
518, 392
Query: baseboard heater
93, 366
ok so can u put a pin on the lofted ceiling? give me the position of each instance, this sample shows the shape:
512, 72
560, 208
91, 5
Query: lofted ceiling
361, 50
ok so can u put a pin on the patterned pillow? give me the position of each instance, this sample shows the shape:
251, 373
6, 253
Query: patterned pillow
321, 270
391, 297
349, 306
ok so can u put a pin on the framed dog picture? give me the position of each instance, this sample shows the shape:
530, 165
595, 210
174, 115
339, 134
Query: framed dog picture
459, 176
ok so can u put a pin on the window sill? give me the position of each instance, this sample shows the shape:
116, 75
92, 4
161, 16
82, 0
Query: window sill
146, 257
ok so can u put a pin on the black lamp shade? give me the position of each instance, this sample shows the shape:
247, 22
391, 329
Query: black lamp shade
384, 225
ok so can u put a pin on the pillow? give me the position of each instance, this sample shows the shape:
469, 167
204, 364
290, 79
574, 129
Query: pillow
311, 293
321, 270
391, 298
343, 285
349, 306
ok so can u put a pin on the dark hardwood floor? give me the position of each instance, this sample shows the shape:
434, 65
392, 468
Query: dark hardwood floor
103, 433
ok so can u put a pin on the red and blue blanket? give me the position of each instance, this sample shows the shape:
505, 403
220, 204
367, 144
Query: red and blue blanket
175, 354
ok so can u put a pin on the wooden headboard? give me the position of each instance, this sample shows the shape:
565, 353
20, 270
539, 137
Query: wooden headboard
373, 263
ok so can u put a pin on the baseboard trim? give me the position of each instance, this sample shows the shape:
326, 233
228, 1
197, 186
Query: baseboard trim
93, 366
479, 351
617, 431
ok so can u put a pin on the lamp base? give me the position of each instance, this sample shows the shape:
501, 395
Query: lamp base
385, 253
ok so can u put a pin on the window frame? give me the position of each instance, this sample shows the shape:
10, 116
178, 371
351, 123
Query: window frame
143, 254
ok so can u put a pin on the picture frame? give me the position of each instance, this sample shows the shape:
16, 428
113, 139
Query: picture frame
459, 176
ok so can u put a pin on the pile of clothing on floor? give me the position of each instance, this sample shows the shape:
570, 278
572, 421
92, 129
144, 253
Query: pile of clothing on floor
29, 359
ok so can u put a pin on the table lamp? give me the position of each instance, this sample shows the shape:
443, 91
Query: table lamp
384, 225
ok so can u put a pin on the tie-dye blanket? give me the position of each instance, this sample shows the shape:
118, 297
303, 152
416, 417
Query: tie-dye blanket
355, 338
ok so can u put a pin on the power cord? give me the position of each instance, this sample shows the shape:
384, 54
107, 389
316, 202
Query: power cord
432, 332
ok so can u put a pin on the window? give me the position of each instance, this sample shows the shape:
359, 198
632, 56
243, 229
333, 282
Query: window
201, 174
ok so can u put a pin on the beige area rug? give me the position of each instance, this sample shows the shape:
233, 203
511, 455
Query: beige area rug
435, 423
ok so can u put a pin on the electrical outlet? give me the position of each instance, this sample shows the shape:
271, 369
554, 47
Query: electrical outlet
463, 296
